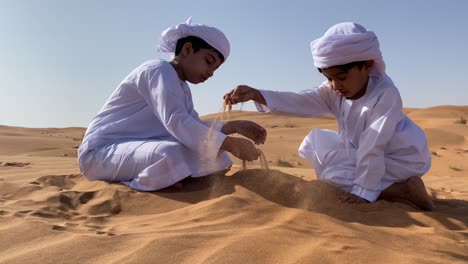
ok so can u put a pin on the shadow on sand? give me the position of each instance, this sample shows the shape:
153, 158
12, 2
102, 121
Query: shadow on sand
315, 196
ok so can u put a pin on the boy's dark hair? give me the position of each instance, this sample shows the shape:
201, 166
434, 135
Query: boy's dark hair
197, 44
346, 67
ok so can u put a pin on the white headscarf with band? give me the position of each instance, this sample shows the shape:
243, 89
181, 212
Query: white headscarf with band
210, 35
344, 43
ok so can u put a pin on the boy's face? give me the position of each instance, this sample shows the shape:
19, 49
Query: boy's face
351, 84
199, 66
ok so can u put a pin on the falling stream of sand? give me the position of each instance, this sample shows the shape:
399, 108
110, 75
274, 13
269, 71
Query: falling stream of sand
226, 116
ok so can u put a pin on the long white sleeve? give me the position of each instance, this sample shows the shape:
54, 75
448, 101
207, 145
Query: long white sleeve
310, 102
166, 95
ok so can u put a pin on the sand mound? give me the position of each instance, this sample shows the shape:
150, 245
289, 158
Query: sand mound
442, 137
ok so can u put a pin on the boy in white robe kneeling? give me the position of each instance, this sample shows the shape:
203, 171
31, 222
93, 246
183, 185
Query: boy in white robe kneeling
148, 135
378, 152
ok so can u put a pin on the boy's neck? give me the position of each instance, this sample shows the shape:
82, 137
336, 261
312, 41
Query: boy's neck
178, 68
361, 92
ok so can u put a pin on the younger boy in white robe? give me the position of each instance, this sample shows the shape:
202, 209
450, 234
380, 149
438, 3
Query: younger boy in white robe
148, 134
378, 152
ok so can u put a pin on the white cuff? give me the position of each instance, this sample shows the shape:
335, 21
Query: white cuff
217, 125
260, 107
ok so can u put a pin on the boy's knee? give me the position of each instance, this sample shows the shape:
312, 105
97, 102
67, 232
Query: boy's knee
90, 175
172, 150
87, 168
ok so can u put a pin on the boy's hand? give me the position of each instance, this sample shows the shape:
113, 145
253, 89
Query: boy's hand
350, 198
241, 148
247, 129
244, 93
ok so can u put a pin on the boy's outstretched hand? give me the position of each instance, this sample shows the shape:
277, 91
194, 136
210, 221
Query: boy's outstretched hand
242, 148
244, 93
247, 129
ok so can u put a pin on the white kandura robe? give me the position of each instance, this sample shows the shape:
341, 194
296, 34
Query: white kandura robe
376, 144
148, 134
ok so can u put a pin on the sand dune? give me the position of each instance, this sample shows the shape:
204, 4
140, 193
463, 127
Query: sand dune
443, 111
49, 213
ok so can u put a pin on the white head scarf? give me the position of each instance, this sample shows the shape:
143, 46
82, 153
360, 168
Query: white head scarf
210, 35
344, 43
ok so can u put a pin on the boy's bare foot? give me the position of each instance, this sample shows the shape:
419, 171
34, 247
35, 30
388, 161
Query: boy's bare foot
412, 190
178, 186
175, 187
350, 198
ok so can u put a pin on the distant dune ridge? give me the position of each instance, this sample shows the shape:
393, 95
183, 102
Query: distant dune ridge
50, 213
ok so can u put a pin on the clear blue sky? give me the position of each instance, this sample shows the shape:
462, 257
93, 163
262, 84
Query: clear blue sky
61, 59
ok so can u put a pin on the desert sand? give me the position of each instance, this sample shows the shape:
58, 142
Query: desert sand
49, 213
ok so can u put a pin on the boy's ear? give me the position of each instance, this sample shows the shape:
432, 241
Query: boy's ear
186, 49
369, 64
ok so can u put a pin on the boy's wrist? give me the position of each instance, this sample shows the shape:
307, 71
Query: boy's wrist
259, 97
